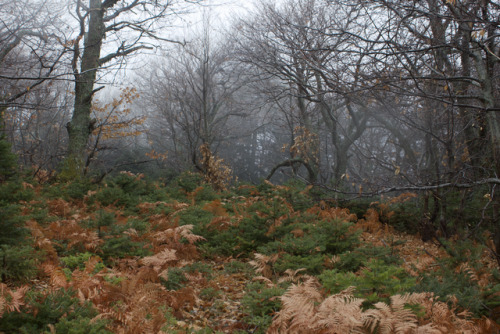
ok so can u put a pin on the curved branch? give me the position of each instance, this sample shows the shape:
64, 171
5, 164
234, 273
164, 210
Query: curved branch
121, 53
290, 163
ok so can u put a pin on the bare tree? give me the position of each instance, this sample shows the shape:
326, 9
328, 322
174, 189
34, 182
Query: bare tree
194, 94
30, 51
305, 45
125, 25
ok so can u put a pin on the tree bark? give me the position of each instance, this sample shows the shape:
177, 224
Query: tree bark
81, 126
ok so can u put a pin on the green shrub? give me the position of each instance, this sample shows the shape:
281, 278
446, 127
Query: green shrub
76, 190
260, 303
335, 281
12, 230
359, 206
18, 262
123, 246
80, 325
199, 267
244, 189
209, 293
335, 236
17, 256
325, 237
355, 259
218, 243
117, 243
296, 194
76, 261
313, 263
406, 216
189, 181
107, 196
235, 267
377, 282
191, 185
8, 160
103, 219
14, 192
176, 279
41, 214
60, 306
125, 190
446, 282
195, 215
382, 281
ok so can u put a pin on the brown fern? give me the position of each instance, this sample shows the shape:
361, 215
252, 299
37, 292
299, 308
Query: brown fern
11, 300
56, 275
293, 276
263, 264
172, 238
305, 310
75, 235
393, 318
161, 261
41, 241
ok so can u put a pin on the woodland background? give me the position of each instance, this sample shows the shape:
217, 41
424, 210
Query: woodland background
322, 143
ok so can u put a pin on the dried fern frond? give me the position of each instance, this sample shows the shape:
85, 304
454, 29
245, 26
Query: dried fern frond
186, 232
325, 212
57, 277
263, 264
339, 313
161, 260
390, 318
174, 235
216, 208
71, 231
11, 300
305, 311
265, 280
135, 307
59, 207
292, 276
220, 223
40, 240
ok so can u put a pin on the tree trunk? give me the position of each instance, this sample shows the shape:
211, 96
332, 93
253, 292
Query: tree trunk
81, 126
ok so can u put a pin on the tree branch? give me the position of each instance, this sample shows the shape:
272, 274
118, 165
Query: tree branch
121, 53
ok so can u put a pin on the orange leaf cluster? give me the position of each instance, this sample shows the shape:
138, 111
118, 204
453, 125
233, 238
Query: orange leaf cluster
305, 145
216, 172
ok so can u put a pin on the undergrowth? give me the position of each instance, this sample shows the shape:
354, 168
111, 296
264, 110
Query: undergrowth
134, 256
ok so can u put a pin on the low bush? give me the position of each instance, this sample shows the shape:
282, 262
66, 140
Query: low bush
375, 282
260, 303
60, 310
17, 256
177, 278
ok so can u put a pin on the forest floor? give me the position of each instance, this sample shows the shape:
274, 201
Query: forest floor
139, 259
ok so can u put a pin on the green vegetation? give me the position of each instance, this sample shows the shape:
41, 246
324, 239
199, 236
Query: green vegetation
185, 243
60, 309
260, 303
